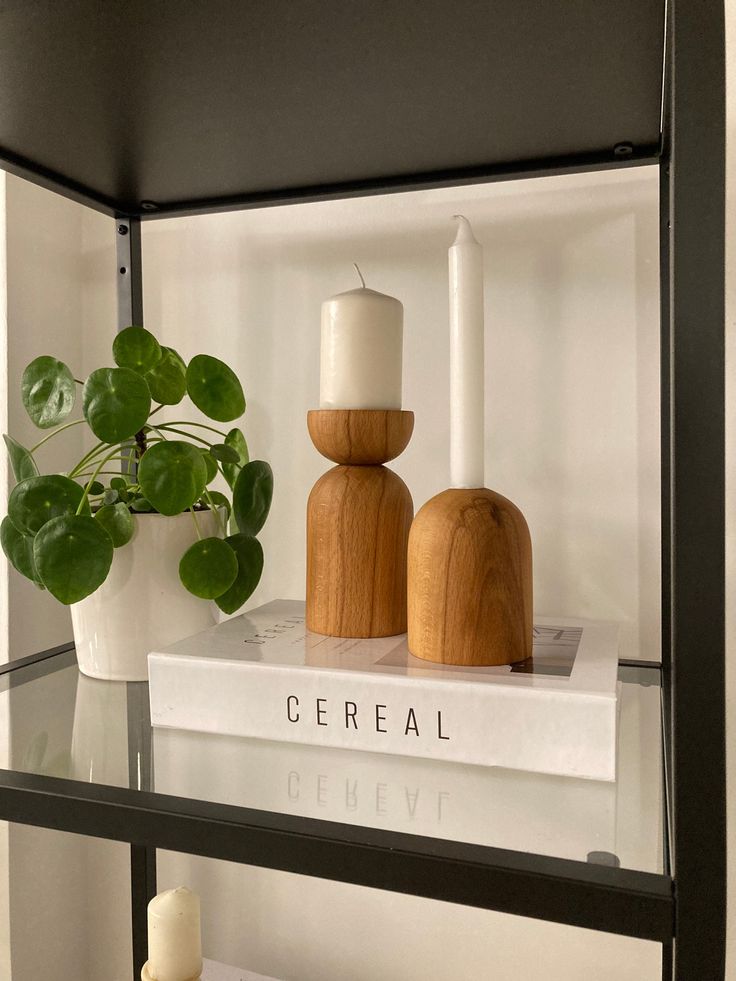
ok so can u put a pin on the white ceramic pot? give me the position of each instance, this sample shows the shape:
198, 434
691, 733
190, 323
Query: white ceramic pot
142, 605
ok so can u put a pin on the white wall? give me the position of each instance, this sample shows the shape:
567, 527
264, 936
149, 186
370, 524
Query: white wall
44, 267
572, 436
571, 365
56, 918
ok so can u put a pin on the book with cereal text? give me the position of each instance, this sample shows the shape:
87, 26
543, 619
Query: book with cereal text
264, 675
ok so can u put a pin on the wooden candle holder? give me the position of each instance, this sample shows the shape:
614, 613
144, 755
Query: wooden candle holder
470, 580
358, 520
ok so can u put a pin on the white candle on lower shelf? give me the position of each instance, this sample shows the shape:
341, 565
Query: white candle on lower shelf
174, 937
466, 358
360, 355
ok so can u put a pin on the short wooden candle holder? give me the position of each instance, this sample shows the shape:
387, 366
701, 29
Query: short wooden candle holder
358, 520
470, 580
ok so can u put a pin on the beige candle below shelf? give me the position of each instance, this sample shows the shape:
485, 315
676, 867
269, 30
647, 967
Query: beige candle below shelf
174, 937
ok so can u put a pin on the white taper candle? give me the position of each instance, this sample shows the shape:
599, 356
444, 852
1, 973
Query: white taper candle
466, 358
174, 936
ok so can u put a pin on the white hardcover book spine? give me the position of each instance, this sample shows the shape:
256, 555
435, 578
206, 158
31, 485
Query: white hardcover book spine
463, 722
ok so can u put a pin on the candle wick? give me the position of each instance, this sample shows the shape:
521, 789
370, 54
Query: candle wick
464, 230
357, 269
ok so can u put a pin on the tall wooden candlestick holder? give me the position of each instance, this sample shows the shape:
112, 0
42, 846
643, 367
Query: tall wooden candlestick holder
470, 580
358, 520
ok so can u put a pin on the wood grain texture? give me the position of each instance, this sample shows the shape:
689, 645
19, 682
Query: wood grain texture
360, 437
470, 580
358, 521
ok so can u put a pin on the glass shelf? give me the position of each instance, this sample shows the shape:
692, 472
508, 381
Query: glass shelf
63, 724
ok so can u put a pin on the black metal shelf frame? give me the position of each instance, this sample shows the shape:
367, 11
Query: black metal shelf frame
685, 909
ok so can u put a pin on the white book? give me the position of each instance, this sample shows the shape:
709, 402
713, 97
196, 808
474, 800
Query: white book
264, 675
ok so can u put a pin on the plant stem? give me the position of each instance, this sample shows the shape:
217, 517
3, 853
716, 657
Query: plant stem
161, 439
196, 523
87, 458
113, 473
96, 451
216, 512
200, 425
141, 444
85, 495
55, 432
180, 432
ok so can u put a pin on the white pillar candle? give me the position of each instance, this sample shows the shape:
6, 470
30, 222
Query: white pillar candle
466, 358
360, 355
174, 936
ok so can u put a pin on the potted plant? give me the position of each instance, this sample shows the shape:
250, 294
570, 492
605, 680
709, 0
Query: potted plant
134, 537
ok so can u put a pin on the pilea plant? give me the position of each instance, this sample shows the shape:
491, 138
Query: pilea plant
62, 528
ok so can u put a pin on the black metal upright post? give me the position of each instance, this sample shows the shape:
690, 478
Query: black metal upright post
142, 858
130, 272
695, 468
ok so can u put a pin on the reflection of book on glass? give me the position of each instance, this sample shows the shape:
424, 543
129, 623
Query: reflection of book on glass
214, 971
454, 801
264, 675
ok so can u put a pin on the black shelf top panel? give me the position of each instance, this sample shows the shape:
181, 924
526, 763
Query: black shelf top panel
202, 106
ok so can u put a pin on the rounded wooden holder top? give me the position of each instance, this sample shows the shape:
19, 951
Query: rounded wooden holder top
360, 437
470, 580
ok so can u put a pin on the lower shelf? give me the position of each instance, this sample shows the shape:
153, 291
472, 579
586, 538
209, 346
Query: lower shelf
561, 850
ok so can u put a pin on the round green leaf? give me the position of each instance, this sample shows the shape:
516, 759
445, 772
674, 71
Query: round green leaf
172, 475
250, 566
48, 391
211, 465
167, 380
110, 496
73, 554
18, 549
116, 403
141, 505
219, 500
136, 348
37, 500
252, 496
21, 459
214, 388
95, 488
236, 441
121, 485
118, 522
208, 568
225, 453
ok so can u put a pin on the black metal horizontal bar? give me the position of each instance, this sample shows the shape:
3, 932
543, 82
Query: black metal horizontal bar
20, 166
628, 902
632, 662
485, 173
574, 163
24, 662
